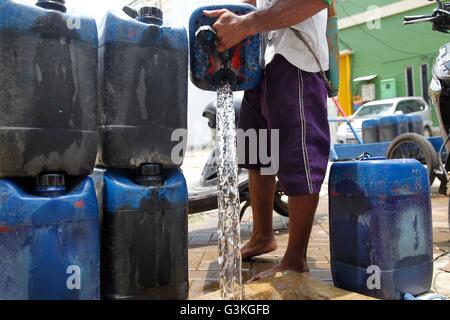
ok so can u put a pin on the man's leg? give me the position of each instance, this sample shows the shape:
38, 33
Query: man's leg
302, 210
295, 104
262, 190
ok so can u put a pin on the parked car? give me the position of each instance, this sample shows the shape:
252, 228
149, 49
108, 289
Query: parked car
381, 108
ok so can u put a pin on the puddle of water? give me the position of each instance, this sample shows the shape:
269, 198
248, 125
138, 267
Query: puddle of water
228, 197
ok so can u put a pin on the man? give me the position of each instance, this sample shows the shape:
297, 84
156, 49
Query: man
292, 98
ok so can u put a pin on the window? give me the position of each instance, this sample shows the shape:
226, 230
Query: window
424, 80
403, 107
373, 111
410, 106
420, 106
409, 82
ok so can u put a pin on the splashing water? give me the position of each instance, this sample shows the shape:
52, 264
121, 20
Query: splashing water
228, 197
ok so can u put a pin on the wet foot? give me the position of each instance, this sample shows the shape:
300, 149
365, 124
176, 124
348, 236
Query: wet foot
280, 268
258, 247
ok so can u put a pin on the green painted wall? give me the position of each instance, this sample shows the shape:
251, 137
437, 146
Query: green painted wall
389, 50
351, 7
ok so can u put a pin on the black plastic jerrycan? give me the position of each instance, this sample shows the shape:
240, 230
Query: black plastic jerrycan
145, 81
145, 234
48, 90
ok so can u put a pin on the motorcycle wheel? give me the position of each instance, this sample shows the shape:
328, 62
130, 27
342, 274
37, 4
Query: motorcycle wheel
415, 146
280, 204
202, 199
203, 195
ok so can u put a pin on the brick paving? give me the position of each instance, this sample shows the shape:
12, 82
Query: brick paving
204, 269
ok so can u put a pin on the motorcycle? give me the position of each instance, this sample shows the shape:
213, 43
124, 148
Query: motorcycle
440, 89
440, 86
203, 194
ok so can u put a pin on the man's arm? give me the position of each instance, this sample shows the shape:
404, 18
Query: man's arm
252, 2
284, 14
232, 29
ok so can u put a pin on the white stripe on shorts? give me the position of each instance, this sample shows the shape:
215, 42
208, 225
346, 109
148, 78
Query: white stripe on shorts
303, 124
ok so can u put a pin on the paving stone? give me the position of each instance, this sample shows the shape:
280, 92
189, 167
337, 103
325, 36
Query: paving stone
321, 260
319, 265
441, 281
321, 274
194, 260
204, 275
211, 254
209, 266
201, 287
324, 246
260, 267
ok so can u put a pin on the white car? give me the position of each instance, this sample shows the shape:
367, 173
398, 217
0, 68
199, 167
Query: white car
381, 108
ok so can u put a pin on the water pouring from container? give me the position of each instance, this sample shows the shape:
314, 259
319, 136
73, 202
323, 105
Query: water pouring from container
228, 197
226, 149
236, 69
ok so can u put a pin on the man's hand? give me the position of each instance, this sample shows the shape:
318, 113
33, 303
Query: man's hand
230, 28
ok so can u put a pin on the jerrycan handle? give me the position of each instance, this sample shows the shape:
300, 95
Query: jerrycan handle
132, 13
368, 157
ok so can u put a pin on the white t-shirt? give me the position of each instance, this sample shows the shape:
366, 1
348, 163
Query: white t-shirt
286, 43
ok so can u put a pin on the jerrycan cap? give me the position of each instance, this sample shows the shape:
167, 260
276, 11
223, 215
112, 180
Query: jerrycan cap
58, 5
50, 184
149, 174
150, 15
368, 157
50, 180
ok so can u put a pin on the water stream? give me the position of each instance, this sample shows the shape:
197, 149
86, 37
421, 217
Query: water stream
228, 197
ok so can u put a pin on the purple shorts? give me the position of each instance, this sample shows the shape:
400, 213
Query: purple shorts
294, 102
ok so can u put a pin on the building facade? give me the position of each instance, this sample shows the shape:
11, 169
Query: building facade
381, 57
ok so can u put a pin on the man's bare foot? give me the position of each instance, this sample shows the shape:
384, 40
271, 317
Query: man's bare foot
257, 247
283, 266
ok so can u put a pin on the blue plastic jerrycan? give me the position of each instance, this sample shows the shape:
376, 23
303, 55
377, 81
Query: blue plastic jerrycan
415, 122
145, 234
390, 127
49, 239
48, 91
144, 81
381, 227
370, 131
239, 66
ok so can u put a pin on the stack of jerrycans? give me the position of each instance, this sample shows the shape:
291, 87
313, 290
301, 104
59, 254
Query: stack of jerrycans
144, 91
49, 222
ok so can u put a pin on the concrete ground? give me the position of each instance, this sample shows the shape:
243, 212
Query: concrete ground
203, 253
